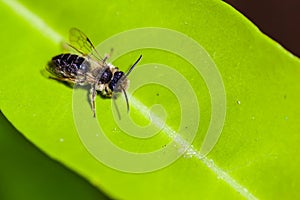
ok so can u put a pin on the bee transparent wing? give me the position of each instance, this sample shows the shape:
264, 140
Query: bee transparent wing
81, 43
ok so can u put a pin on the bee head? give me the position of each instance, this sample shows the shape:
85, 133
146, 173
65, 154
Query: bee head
119, 82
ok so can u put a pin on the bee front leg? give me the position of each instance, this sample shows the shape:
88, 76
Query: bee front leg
93, 94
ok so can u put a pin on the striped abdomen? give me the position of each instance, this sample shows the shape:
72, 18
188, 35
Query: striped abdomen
68, 65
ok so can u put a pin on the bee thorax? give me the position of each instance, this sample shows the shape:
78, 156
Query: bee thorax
106, 76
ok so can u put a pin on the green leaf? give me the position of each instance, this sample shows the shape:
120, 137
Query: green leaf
256, 154
27, 173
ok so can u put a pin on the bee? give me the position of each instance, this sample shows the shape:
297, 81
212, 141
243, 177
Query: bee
88, 68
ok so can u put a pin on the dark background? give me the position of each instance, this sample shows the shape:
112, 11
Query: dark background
278, 19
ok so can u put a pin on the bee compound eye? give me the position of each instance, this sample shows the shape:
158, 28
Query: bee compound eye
112, 86
118, 75
115, 82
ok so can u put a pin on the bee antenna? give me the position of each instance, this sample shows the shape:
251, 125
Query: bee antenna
126, 98
131, 68
116, 106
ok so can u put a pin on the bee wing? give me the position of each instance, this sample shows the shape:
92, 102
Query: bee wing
81, 43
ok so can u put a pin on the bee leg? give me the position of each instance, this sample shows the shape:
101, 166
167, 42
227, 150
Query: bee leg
62, 79
107, 56
93, 94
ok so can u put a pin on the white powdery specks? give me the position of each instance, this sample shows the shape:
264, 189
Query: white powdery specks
191, 152
221, 174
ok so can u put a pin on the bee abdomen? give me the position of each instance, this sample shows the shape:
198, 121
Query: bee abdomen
68, 65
